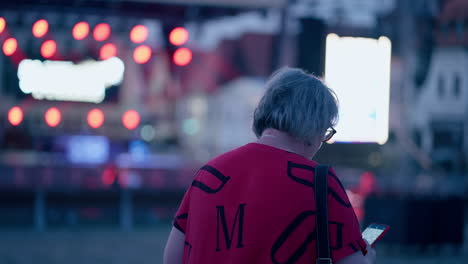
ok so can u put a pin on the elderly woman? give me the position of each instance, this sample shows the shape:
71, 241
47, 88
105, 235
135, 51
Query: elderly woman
255, 204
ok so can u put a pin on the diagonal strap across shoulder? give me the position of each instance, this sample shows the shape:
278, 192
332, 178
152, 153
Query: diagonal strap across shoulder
321, 200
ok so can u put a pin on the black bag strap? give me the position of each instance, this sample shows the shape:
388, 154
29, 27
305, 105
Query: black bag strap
321, 200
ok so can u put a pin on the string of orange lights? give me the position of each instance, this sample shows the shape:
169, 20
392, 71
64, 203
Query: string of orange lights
101, 35
95, 117
101, 32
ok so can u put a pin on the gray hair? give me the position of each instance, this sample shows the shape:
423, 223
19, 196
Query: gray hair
296, 103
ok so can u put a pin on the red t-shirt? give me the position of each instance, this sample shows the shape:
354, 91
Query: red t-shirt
256, 204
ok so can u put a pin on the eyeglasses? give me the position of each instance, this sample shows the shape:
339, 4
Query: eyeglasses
329, 134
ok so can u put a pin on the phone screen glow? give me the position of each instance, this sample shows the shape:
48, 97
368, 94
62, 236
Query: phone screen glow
371, 234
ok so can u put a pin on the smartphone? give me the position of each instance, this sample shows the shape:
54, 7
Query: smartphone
374, 232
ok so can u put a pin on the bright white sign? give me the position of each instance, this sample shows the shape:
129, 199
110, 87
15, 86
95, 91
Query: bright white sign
358, 71
66, 81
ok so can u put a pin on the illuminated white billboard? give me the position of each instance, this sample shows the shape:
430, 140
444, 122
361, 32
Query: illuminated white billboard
358, 71
66, 81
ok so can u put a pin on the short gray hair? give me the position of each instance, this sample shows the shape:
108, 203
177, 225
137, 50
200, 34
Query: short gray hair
296, 103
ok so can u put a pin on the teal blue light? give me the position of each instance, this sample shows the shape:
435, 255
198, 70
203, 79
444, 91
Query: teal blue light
191, 126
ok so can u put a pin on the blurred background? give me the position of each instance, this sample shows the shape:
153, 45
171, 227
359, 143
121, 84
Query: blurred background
108, 108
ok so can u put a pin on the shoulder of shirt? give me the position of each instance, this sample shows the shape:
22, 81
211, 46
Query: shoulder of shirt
226, 156
237, 152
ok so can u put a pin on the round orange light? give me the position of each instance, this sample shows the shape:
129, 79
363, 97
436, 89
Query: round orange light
53, 117
182, 56
95, 118
131, 119
48, 48
107, 51
138, 34
178, 36
9, 46
2, 24
101, 32
15, 115
142, 54
40, 28
80, 30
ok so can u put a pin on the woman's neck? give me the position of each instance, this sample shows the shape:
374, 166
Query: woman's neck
278, 139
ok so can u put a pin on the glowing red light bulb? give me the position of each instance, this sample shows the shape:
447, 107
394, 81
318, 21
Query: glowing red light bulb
101, 32
9, 46
48, 48
80, 30
139, 34
95, 118
107, 51
142, 54
40, 28
182, 56
15, 115
178, 36
53, 116
131, 119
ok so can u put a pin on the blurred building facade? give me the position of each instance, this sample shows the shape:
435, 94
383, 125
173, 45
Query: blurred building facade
439, 112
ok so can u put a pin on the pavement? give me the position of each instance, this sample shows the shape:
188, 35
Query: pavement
143, 246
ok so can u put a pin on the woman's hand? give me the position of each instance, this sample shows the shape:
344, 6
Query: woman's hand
359, 258
371, 255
